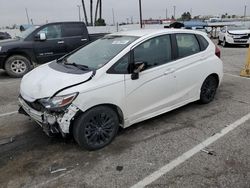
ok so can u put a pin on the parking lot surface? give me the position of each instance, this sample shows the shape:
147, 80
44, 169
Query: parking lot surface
34, 160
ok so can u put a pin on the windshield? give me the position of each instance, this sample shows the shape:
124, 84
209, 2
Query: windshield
25, 33
233, 28
100, 52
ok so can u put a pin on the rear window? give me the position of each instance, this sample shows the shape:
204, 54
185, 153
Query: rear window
203, 42
72, 30
187, 44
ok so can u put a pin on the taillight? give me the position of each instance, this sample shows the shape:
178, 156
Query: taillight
217, 51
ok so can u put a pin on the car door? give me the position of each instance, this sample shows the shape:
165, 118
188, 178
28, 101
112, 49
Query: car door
154, 90
53, 47
75, 35
189, 67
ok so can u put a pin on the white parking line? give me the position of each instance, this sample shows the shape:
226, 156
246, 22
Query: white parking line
179, 160
236, 76
8, 114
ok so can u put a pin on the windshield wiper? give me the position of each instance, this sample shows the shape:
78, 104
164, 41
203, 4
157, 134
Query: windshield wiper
79, 66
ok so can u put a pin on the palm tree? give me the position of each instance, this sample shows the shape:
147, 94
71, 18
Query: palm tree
85, 13
91, 12
96, 9
100, 9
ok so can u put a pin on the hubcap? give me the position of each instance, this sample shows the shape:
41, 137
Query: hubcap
99, 129
18, 66
209, 89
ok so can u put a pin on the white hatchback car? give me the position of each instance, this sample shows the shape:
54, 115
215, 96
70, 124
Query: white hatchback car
119, 80
235, 35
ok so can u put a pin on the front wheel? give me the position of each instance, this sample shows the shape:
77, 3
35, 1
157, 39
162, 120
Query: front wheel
224, 43
17, 65
208, 90
96, 128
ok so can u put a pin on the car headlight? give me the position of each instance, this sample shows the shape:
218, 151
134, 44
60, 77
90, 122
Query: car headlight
58, 102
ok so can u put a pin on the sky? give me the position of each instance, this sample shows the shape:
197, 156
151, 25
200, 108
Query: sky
13, 11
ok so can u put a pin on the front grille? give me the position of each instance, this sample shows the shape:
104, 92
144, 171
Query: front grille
244, 37
240, 41
35, 105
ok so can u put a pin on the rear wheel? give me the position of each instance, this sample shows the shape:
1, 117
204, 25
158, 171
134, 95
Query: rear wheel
17, 65
208, 90
96, 128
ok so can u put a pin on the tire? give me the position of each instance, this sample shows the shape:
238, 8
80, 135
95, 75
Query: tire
17, 65
208, 90
96, 128
224, 43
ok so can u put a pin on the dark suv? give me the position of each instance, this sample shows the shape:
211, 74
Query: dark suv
38, 45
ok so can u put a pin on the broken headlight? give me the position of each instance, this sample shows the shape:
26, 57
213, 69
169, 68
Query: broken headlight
58, 102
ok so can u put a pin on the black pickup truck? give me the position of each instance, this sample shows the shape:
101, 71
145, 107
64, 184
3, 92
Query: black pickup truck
41, 44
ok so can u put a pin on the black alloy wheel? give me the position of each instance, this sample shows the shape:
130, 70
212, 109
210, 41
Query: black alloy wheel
96, 128
208, 90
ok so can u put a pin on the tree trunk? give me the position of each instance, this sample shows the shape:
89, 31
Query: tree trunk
100, 9
96, 10
85, 13
91, 12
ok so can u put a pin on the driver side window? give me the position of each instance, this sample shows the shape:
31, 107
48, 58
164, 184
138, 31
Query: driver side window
52, 31
154, 52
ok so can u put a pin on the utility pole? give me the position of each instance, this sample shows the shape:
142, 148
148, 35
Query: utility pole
166, 13
26, 10
245, 13
140, 13
174, 11
79, 12
113, 14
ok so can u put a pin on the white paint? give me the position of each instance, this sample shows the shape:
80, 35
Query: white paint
179, 160
8, 114
236, 76
43, 184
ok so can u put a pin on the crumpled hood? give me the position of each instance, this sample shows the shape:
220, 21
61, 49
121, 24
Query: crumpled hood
43, 82
239, 32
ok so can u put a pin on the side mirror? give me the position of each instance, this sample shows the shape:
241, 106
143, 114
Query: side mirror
138, 67
41, 37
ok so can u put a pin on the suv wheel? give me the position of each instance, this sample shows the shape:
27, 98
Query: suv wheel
96, 128
17, 65
208, 90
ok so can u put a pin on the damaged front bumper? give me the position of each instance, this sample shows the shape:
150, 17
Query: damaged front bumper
57, 122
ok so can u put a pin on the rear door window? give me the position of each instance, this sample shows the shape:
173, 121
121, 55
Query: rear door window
73, 30
187, 45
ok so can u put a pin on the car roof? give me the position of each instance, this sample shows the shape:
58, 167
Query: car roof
148, 32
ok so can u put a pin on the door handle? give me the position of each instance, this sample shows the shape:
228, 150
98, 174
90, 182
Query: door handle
60, 42
84, 39
169, 71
